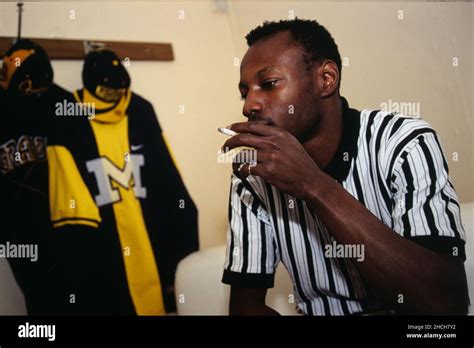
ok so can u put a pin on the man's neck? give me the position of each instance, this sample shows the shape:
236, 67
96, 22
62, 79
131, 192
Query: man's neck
323, 145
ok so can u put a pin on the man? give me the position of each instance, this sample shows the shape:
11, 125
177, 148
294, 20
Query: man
330, 178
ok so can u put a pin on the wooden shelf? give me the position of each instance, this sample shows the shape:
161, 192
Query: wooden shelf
66, 49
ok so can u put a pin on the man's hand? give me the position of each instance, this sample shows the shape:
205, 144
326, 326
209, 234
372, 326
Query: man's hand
281, 159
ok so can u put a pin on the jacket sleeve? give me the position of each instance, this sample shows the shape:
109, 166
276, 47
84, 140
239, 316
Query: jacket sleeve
174, 230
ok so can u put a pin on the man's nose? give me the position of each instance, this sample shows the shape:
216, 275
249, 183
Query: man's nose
252, 107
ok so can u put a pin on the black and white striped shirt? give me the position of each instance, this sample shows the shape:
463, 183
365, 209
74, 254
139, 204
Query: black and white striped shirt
394, 166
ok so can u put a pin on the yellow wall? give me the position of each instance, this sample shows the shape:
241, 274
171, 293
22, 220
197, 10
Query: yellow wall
405, 60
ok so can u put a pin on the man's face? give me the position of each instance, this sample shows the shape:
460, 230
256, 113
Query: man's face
277, 88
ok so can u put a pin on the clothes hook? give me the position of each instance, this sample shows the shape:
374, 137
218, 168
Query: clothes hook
20, 10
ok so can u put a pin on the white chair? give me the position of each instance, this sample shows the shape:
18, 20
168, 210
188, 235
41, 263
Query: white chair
12, 301
199, 290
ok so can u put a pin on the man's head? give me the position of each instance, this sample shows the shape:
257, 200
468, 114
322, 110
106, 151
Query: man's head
288, 70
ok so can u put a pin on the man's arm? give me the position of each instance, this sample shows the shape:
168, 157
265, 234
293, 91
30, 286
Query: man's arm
429, 282
249, 301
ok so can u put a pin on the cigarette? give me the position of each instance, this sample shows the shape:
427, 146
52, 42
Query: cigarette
226, 131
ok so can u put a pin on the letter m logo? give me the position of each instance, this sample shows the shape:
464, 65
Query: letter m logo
106, 171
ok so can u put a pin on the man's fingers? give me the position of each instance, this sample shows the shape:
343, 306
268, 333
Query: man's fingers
243, 170
248, 140
258, 162
255, 128
238, 169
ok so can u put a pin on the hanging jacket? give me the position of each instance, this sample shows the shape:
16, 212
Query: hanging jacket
122, 216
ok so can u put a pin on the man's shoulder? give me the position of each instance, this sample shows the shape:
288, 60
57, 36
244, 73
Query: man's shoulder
385, 119
390, 134
386, 128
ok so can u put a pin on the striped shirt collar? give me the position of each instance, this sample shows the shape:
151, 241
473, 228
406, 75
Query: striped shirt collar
340, 164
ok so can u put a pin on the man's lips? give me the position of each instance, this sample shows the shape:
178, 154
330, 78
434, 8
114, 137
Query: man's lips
264, 120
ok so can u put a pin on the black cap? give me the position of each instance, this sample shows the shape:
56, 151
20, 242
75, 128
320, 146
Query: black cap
104, 68
34, 73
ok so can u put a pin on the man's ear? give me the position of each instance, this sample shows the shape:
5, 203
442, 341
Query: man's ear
327, 77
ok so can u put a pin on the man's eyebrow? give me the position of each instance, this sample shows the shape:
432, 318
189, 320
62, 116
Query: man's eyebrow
261, 71
257, 74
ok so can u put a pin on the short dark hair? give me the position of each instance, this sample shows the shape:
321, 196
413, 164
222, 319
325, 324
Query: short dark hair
315, 40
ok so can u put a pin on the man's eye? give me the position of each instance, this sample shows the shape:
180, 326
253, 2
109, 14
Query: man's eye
269, 84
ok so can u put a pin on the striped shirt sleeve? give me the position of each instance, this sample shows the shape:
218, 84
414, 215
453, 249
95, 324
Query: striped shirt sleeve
425, 204
251, 256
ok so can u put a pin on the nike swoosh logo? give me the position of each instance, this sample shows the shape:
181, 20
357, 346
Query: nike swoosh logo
136, 147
